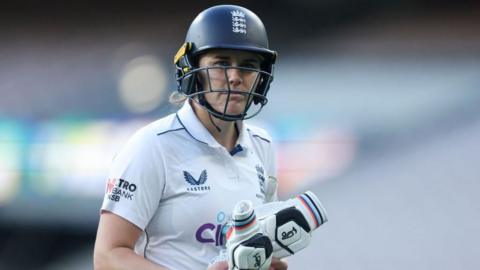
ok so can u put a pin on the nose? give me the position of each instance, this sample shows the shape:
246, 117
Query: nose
234, 76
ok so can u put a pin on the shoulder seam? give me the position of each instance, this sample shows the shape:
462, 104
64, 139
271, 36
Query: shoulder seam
180, 121
161, 133
258, 136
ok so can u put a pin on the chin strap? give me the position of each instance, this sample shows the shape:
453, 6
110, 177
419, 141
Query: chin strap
204, 103
213, 122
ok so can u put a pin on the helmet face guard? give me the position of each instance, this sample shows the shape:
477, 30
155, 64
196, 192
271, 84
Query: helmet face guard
255, 95
225, 27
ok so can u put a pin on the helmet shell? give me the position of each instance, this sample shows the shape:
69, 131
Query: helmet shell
229, 27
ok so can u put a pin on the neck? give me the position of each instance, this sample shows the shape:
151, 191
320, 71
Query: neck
224, 132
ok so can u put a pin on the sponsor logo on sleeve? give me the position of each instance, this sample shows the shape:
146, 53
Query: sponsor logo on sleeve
120, 189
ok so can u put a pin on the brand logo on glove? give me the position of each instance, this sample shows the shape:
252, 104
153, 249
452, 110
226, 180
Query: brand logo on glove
290, 234
258, 260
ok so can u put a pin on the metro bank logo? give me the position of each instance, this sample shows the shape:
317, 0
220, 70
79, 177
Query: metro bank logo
117, 190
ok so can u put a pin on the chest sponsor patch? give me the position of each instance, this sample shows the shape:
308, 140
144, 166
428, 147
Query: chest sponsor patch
213, 233
196, 184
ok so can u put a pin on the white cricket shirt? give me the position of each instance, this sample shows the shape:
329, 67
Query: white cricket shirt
179, 185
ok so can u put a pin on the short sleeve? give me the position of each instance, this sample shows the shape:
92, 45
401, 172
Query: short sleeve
136, 181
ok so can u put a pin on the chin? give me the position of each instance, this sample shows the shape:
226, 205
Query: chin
230, 111
234, 107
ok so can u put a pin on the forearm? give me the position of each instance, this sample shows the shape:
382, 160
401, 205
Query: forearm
122, 258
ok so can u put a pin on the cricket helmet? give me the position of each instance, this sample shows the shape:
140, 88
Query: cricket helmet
225, 27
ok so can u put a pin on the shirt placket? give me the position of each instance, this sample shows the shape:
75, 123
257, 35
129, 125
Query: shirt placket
230, 165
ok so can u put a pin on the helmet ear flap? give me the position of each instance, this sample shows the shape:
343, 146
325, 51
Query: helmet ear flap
186, 81
266, 80
182, 52
263, 86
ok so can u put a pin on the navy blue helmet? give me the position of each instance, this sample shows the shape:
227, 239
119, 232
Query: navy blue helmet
225, 27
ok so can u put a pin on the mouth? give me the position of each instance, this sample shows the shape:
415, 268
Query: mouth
237, 95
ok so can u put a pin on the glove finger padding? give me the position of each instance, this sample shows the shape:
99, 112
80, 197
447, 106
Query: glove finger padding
253, 253
288, 231
247, 247
289, 224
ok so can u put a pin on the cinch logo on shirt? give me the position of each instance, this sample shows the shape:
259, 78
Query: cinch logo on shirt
212, 233
122, 189
196, 185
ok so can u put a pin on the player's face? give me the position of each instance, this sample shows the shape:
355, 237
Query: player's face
225, 75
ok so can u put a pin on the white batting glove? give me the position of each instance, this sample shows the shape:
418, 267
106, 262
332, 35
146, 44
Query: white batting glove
289, 224
247, 247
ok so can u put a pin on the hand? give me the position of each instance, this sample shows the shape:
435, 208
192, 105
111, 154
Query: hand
222, 265
278, 264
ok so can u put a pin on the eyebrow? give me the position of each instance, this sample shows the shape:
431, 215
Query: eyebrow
248, 60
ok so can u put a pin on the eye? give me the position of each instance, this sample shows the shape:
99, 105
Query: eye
221, 63
251, 65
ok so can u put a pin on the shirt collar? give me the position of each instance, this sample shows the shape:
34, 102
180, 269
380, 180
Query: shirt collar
189, 120
243, 134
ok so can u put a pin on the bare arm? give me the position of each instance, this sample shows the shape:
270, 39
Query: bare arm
114, 245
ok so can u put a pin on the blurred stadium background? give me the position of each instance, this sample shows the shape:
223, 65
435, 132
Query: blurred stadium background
375, 107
